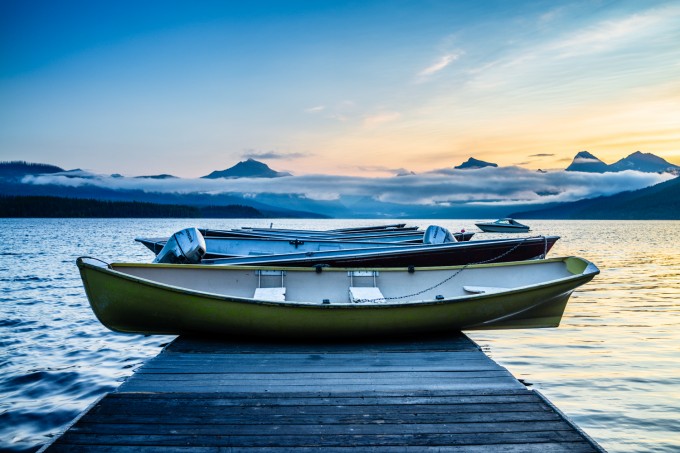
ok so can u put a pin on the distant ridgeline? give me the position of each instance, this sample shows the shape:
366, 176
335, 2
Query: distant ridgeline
658, 202
22, 168
43, 206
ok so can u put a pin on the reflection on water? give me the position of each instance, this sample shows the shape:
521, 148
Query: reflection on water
613, 365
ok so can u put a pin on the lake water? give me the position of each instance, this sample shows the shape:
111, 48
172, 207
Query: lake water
613, 366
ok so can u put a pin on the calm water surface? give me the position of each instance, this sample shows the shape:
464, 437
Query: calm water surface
613, 366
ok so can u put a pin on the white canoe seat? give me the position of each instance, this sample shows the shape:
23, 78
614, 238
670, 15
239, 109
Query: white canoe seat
365, 294
276, 294
484, 289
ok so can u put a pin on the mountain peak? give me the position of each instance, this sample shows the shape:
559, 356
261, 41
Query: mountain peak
585, 155
249, 168
473, 163
586, 162
646, 162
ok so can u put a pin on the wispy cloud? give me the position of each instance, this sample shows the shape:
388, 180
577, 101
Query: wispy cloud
342, 111
381, 118
585, 160
551, 15
271, 155
316, 109
610, 34
439, 65
536, 63
383, 169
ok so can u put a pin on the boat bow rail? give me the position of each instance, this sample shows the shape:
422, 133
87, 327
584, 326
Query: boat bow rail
92, 261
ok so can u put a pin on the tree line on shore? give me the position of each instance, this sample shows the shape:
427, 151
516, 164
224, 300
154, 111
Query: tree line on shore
54, 207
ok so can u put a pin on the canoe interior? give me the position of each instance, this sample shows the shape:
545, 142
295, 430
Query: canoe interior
398, 286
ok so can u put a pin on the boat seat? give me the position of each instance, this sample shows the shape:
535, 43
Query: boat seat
365, 294
483, 289
276, 294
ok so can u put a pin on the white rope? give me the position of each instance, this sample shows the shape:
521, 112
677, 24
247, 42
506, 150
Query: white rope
507, 252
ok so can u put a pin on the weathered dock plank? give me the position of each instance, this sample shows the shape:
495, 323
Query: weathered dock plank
442, 395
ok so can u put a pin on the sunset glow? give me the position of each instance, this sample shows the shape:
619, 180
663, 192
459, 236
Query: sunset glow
357, 89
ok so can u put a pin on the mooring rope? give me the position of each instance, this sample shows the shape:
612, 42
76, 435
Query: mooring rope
502, 255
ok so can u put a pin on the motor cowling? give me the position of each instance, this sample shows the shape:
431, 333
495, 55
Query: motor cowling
435, 234
184, 247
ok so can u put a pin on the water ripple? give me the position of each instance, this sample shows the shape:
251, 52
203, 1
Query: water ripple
612, 366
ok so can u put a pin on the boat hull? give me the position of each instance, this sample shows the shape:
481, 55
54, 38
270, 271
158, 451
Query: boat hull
459, 253
408, 236
129, 303
491, 228
371, 254
390, 236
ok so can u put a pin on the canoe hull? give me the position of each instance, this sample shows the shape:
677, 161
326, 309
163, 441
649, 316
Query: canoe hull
130, 304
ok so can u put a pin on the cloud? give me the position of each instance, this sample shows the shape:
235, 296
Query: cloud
486, 186
633, 44
551, 15
610, 34
316, 109
271, 155
439, 65
585, 160
342, 111
383, 169
373, 121
542, 155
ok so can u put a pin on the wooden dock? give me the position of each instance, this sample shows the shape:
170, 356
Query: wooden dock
443, 395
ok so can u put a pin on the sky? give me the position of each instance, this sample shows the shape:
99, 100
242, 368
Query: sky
346, 88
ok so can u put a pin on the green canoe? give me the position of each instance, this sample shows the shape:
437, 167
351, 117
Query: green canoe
330, 302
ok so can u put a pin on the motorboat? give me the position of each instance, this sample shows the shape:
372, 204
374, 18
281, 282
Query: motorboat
397, 233
448, 254
217, 246
189, 246
506, 225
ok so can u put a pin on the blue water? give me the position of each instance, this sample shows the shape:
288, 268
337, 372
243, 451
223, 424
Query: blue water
613, 366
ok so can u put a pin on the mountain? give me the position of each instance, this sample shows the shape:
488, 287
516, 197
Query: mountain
586, 162
162, 176
14, 187
19, 168
658, 202
247, 169
645, 162
47, 206
345, 205
638, 161
473, 163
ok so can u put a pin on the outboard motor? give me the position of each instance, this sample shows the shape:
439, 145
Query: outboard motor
184, 247
437, 235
